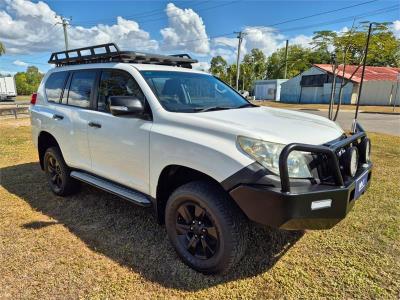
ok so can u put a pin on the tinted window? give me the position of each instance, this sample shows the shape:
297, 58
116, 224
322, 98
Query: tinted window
192, 92
55, 85
80, 89
116, 83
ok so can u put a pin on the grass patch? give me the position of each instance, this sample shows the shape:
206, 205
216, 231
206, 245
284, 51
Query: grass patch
95, 245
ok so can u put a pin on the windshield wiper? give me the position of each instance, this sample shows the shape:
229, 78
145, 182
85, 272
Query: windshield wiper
211, 108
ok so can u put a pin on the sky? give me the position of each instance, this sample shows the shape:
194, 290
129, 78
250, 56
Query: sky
30, 30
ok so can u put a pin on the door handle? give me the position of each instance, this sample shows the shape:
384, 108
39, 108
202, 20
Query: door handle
58, 117
93, 124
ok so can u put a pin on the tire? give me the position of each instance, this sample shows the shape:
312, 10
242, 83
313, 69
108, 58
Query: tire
219, 242
58, 173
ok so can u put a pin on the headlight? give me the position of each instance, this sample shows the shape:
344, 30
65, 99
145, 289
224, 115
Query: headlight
267, 154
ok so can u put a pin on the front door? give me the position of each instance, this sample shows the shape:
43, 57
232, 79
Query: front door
119, 145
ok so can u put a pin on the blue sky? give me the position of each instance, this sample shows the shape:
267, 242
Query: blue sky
201, 28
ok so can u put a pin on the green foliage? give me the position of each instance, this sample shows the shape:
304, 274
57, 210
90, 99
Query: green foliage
218, 67
28, 82
299, 60
254, 67
2, 49
349, 46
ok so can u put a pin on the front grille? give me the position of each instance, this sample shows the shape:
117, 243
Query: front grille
320, 164
321, 169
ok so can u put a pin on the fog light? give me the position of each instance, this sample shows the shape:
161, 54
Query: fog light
365, 149
351, 161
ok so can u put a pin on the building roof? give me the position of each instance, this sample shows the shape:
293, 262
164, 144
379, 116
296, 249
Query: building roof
371, 73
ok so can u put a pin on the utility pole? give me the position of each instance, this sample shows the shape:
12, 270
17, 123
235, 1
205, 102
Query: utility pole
240, 37
286, 55
65, 22
362, 75
333, 89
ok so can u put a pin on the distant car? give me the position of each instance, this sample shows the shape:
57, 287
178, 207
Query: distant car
8, 89
150, 129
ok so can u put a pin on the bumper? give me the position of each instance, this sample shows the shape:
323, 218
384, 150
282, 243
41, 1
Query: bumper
294, 206
301, 207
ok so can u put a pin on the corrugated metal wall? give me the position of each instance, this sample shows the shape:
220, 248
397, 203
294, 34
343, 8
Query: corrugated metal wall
377, 92
292, 92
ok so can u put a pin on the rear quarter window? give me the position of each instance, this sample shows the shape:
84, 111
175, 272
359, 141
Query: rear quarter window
55, 85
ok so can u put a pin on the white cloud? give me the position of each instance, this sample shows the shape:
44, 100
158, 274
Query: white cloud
396, 28
20, 63
302, 40
202, 66
265, 38
224, 41
27, 27
185, 31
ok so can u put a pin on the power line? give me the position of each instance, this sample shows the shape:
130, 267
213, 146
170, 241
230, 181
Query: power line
319, 14
335, 21
184, 12
139, 15
342, 20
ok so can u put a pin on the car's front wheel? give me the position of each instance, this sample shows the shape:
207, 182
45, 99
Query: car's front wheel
205, 227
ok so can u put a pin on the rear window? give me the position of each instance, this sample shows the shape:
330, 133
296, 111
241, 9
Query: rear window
81, 87
55, 85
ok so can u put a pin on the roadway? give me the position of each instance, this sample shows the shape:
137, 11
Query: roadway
373, 122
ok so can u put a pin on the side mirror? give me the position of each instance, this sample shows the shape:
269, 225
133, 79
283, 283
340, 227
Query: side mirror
125, 105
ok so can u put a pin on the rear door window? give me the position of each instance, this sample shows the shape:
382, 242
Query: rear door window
81, 88
55, 85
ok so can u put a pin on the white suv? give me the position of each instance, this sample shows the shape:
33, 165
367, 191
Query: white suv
156, 132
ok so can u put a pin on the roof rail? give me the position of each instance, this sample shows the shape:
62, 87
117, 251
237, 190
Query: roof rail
111, 53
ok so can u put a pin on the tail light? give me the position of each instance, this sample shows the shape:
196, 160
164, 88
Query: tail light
33, 98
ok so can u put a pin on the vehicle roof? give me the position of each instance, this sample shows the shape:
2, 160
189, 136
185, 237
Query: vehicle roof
139, 67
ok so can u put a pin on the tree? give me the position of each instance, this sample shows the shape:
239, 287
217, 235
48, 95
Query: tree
254, 67
218, 67
299, 60
28, 82
383, 46
2, 49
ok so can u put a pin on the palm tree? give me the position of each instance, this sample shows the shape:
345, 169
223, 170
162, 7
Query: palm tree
2, 49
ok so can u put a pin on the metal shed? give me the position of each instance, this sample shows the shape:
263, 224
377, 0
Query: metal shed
268, 89
381, 86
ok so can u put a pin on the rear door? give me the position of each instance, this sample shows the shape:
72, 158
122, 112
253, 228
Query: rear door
119, 145
76, 105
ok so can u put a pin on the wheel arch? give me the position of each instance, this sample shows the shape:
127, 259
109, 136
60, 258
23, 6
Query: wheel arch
172, 177
45, 141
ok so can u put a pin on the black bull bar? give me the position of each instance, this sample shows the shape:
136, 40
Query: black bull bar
329, 150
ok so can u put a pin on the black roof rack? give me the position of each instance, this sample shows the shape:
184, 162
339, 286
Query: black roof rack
111, 53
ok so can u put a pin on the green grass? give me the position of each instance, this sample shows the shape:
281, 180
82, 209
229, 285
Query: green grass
94, 245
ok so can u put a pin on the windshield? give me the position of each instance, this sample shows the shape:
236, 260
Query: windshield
191, 92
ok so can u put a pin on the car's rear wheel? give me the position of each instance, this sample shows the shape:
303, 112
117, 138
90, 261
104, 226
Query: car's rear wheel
58, 173
206, 228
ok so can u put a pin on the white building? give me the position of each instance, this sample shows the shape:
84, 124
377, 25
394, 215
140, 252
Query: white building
268, 89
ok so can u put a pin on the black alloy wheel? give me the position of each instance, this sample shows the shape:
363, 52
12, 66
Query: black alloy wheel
196, 230
206, 228
58, 173
54, 172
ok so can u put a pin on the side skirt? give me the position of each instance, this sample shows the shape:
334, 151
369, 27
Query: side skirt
113, 188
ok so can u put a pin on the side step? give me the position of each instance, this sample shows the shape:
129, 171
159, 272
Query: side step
116, 189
